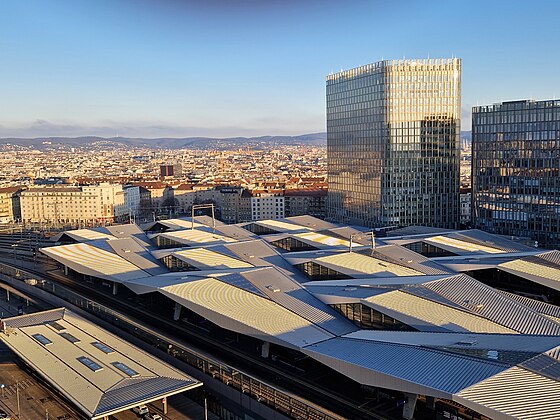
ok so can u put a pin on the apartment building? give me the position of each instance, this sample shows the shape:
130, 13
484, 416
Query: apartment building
102, 203
10, 209
267, 204
305, 201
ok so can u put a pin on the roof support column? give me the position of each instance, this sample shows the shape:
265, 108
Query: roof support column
265, 349
177, 312
164, 402
409, 406
115, 288
66, 270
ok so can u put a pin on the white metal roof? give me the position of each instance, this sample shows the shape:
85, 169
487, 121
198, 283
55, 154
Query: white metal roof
514, 393
98, 262
323, 239
248, 286
242, 311
84, 235
205, 259
462, 245
407, 308
282, 226
367, 265
99, 390
196, 236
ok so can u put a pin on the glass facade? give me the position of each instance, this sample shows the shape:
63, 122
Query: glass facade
393, 130
515, 172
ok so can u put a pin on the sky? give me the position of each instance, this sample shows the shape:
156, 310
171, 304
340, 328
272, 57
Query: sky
178, 68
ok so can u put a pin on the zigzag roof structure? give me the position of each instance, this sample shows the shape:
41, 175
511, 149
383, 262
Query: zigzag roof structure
377, 311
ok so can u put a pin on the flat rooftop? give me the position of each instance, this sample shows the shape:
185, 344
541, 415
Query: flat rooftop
100, 373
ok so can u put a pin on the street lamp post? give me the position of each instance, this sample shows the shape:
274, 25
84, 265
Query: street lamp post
14, 246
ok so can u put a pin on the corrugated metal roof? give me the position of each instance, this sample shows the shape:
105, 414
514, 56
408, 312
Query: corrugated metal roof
367, 265
405, 257
495, 241
323, 239
536, 305
133, 252
92, 260
197, 236
282, 226
238, 280
311, 222
434, 313
289, 294
514, 393
512, 342
131, 392
235, 232
486, 302
242, 311
84, 235
34, 318
462, 245
543, 364
177, 224
344, 294
426, 293
375, 281
551, 256
542, 268
435, 369
59, 361
204, 258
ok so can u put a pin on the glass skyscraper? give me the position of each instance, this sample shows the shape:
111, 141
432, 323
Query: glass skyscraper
515, 169
393, 142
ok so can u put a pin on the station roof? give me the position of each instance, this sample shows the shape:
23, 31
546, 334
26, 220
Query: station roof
95, 261
354, 263
542, 268
244, 283
203, 258
97, 371
201, 236
83, 235
465, 242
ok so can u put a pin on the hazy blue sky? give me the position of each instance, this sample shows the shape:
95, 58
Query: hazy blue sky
217, 67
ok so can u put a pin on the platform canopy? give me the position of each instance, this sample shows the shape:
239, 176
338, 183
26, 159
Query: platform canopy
100, 373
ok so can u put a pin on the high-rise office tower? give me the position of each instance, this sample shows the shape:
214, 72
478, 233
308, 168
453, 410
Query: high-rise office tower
516, 169
393, 130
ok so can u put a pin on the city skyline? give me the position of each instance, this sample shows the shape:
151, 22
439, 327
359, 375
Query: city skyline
177, 69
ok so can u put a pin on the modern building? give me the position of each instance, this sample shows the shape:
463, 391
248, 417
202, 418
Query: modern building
516, 169
393, 142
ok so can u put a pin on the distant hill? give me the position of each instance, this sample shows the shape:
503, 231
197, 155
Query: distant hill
169, 143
